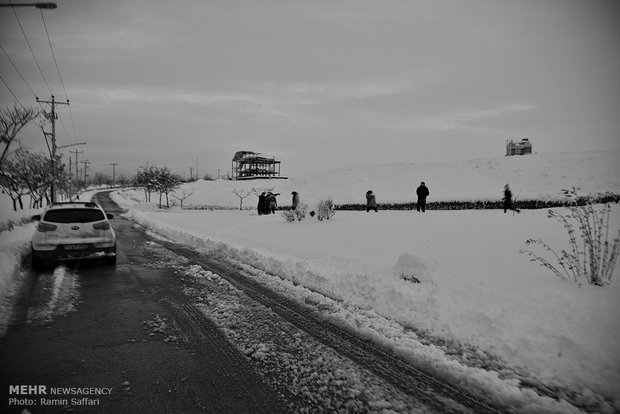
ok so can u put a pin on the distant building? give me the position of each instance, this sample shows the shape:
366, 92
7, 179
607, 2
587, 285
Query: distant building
247, 165
518, 148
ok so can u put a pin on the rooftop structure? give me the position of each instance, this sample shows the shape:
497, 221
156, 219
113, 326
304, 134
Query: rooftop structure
518, 148
247, 165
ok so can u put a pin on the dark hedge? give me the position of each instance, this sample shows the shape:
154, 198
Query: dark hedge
484, 204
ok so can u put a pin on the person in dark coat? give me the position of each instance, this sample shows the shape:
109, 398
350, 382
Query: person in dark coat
371, 201
422, 192
272, 203
295, 201
508, 200
262, 202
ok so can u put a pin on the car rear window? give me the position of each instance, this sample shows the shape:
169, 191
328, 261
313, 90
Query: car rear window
74, 215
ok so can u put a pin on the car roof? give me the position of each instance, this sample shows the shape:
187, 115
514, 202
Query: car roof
74, 204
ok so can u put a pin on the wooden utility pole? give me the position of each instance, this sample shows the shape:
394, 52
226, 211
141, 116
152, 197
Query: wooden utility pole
76, 152
113, 173
52, 117
77, 173
85, 162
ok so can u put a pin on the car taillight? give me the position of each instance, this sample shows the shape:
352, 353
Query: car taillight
102, 226
43, 227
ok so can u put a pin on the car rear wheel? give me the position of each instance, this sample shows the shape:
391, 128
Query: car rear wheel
37, 263
111, 260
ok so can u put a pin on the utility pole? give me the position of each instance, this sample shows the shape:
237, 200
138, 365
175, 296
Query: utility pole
85, 162
52, 116
191, 174
77, 178
113, 164
76, 152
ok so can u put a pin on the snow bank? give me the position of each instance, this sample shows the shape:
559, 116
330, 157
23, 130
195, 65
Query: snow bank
474, 287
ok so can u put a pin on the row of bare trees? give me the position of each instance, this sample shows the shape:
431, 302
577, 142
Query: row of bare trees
23, 173
26, 174
156, 179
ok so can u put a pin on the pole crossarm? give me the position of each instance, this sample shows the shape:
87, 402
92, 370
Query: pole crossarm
46, 5
70, 145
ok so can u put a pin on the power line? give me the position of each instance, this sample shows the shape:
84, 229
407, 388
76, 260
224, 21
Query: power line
17, 70
49, 40
7, 86
59, 76
31, 51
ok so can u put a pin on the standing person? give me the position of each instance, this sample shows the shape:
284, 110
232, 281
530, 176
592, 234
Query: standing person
272, 204
371, 201
508, 200
422, 192
262, 201
295, 201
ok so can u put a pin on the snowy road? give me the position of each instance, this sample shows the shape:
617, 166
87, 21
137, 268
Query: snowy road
172, 330
89, 327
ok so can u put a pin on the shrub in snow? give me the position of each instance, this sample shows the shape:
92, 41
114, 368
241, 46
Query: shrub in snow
289, 215
11, 224
297, 214
591, 256
325, 209
411, 268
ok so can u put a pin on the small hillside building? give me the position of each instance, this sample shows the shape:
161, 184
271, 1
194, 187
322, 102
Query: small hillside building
248, 165
518, 148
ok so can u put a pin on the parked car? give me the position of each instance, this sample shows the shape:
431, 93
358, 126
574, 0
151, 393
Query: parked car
73, 230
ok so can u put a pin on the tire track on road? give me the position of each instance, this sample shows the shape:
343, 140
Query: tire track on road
433, 392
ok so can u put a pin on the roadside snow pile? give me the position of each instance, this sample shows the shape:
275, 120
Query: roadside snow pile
412, 268
291, 361
13, 246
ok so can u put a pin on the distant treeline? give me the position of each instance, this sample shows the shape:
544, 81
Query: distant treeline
486, 204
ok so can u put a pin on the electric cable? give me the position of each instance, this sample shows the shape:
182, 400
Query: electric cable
59, 76
31, 51
18, 71
7, 86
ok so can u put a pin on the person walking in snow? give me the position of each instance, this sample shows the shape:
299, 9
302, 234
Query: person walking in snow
371, 201
295, 201
422, 192
508, 200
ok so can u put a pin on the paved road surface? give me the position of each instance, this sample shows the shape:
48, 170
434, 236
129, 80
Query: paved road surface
102, 338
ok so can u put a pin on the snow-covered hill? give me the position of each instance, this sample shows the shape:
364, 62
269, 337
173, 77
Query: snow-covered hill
536, 176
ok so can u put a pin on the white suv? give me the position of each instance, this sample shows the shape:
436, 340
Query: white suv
73, 230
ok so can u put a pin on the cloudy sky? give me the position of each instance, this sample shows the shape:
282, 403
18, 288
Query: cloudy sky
319, 84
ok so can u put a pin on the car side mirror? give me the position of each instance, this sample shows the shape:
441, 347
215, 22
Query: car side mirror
109, 216
36, 217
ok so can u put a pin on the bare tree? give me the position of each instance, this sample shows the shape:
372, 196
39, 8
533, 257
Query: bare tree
258, 190
25, 173
165, 182
12, 120
241, 194
181, 196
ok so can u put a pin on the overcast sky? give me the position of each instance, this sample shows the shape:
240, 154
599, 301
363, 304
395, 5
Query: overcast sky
319, 84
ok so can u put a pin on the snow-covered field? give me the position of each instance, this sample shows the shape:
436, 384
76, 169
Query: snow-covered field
475, 288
